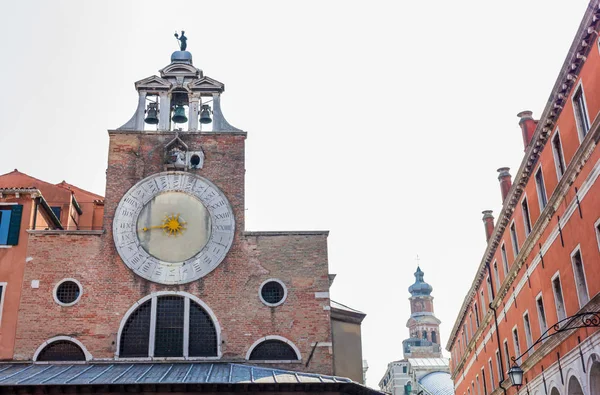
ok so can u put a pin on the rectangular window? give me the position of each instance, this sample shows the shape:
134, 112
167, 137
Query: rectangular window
499, 366
478, 385
541, 189
558, 298
489, 289
580, 283
559, 158
541, 314
471, 323
56, 211
581, 115
527, 326
504, 258
483, 305
492, 382
2, 291
496, 275
526, 217
516, 342
483, 381
476, 315
506, 353
514, 240
10, 223
466, 335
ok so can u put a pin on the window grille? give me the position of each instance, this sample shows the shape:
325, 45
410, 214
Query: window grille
202, 333
136, 333
273, 350
272, 292
169, 330
61, 350
169, 327
68, 292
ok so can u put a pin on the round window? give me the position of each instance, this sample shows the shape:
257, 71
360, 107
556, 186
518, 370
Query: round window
67, 292
273, 292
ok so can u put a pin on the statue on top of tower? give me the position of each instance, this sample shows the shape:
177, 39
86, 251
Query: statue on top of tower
182, 40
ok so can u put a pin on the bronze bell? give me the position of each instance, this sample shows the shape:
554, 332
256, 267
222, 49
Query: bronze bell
179, 115
152, 117
205, 114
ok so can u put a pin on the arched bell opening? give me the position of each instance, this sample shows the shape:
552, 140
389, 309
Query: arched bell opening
180, 110
152, 112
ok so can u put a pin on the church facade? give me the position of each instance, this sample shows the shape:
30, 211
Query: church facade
172, 277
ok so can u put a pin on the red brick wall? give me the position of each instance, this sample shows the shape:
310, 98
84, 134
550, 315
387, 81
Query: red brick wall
231, 291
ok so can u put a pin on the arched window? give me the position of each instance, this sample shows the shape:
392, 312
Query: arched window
425, 335
273, 350
61, 350
433, 337
158, 328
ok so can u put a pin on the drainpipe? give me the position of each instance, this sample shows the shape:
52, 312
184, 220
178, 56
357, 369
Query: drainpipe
497, 331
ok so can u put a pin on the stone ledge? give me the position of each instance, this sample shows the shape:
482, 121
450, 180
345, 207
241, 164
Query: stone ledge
288, 233
66, 232
182, 132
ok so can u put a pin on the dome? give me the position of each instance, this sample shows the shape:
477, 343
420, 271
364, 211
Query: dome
181, 56
420, 287
439, 383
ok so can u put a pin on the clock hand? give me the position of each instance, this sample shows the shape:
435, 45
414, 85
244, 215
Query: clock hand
172, 225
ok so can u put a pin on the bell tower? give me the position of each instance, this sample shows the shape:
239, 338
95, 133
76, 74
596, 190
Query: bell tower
423, 325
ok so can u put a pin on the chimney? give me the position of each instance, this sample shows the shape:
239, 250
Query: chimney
528, 125
488, 222
505, 181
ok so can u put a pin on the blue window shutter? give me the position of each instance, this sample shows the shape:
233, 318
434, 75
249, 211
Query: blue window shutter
56, 211
15, 225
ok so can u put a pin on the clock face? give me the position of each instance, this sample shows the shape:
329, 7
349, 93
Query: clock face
173, 227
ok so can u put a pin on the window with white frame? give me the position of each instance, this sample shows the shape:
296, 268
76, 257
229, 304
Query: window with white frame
476, 314
504, 258
513, 239
515, 334
489, 289
466, 335
527, 327
580, 110
471, 323
541, 188
478, 385
559, 300
496, 275
579, 272
483, 304
2, 292
274, 350
526, 216
506, 353
559, 157
539, 302
168, 325
492, 382
499, 366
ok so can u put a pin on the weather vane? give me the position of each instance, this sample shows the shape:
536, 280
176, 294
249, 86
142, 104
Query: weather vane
181, 40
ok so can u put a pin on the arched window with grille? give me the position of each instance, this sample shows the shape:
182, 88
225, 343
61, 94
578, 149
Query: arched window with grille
62, 349
169, 325
273, 348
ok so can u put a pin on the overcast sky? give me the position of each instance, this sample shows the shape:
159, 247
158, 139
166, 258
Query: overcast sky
381, 121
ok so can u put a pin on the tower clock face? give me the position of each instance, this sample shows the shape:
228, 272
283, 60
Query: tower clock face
173, 227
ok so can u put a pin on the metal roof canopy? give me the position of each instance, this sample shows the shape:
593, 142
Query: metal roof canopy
168, 377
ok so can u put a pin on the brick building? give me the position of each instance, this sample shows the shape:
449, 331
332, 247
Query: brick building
169, 280
535, 298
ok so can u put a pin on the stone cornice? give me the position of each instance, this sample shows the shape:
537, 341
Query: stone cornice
558, 98
579, 159
288, 233
183, 133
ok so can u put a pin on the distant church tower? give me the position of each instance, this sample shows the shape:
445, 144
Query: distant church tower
423, 325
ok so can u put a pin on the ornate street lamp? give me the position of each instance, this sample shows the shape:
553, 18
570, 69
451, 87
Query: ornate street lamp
515, 373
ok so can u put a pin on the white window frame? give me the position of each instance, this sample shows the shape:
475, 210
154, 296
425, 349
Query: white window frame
2, 297
498, 364
491, 365
504, 257
516, 343
488, 281
496, 274
526, 218
537, 188
285, 292
7, 204
514, 238
186, 311
597, 230
527, 329
86, 353
485, 392
587, 291
587, 115
275, 337
543, 328
483, 305
506, 350
557, 159
476, 312
56, 289
562, 294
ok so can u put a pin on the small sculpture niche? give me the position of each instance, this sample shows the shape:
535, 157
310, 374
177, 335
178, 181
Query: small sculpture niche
176, 154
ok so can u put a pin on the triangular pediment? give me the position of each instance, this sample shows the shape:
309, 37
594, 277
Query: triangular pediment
180, 70
207, 84
153, 82
176, 143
